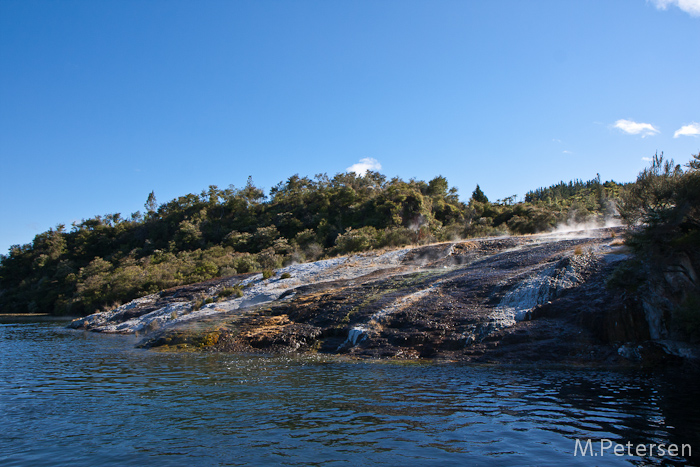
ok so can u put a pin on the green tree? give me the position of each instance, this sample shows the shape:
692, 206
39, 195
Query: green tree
479, 196
151, 203
438, 186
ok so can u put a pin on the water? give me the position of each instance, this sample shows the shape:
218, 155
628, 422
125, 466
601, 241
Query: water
74, 398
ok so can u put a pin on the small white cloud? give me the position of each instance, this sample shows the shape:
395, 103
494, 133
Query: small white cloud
647, 159
567, 152
634, 128
688, 130
692, 7
365, 164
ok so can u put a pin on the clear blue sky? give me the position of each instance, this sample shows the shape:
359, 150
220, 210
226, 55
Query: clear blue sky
103, 101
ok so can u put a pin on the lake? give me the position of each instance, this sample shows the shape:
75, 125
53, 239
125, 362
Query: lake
81, 399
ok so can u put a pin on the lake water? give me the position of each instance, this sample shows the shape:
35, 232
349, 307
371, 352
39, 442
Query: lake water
80, 399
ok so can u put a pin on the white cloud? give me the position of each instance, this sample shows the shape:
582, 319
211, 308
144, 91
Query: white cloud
692, 7
688, 130
566, 152
647, 159
634, 128
365, 164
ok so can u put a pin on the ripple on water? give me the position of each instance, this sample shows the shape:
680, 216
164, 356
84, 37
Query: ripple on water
74, 398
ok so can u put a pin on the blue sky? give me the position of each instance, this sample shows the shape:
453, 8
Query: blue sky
102, 102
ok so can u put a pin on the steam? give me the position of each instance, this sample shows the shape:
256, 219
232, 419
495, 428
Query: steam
575, 223
595, 224
419, 222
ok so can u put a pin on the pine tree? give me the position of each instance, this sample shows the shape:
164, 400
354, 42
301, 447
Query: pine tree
151, 203
479, 195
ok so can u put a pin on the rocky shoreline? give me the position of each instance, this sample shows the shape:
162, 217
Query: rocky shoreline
531, 299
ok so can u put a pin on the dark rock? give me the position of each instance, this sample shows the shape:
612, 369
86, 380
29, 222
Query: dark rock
441, 304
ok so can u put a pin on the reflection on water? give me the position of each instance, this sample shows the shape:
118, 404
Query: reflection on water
74, 398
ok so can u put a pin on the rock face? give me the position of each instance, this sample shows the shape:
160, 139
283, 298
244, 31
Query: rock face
506, 299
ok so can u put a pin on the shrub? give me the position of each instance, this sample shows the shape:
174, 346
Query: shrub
188, 235
246, 263
268, 273
228, 291
305, 238
240, 241
629, 275
227, 271
531, 220
282, 247
400, 236
264, 237
268, 259
357, 240
285, 275
201, 302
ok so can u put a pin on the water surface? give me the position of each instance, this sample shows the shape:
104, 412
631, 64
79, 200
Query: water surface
75, 398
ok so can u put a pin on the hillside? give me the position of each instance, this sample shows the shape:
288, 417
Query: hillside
465, 300
107, 260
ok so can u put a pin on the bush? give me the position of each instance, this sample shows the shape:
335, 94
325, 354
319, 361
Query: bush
357, 240
246, 263
267, 273
188, 235
240, 241
530, 221
399, 236
268, 259
264, 237
305, 238
282, 247
629, 275
285, 275
236, 290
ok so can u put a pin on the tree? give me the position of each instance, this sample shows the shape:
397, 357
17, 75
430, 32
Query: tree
438, 186
479, 195
653, 198
151, 203
251, 193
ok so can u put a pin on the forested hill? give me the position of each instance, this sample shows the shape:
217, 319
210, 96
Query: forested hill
111, 259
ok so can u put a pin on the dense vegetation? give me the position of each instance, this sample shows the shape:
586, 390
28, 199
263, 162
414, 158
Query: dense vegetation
111, 259
665, 200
